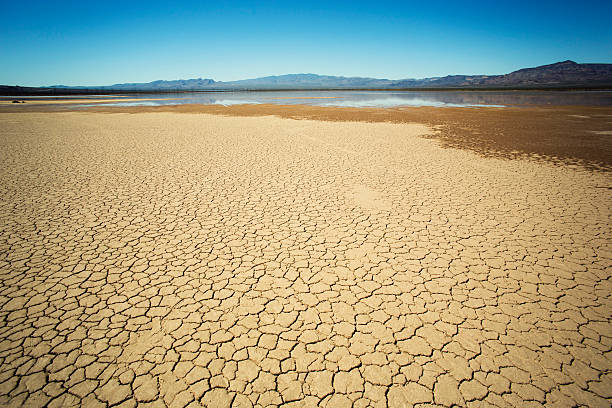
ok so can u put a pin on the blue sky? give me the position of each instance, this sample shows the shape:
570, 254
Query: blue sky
101, 43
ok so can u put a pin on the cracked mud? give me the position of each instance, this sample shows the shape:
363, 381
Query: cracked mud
162, 259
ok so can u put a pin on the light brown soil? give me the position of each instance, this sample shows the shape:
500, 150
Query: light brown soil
208, 260
570, 135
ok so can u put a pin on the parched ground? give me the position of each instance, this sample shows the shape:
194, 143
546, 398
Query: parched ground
157, 259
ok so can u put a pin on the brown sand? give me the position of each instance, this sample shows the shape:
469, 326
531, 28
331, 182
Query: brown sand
200, 260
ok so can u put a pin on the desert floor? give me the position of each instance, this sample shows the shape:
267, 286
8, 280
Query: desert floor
190, 259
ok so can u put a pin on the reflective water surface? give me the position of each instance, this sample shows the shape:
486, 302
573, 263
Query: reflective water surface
382, 99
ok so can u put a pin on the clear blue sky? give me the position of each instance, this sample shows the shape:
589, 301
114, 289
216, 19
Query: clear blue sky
100, 43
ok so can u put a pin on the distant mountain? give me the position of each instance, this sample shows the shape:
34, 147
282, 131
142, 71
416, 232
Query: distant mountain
561, 74
290, 81
564, 74
180, 84
306, 81
160, 85
449, 81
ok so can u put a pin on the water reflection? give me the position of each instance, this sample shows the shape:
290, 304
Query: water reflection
382, 99
393, 102
388, 99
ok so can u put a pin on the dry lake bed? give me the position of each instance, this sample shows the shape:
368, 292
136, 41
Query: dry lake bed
220, 257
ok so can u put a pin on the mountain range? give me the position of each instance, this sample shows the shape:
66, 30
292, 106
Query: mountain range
566, 74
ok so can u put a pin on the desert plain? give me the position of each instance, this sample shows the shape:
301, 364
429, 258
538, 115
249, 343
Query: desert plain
301, 256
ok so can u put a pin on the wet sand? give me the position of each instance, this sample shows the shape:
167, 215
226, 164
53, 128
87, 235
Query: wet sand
172, 256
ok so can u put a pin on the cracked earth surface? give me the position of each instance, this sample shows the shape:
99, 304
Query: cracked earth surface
161, 259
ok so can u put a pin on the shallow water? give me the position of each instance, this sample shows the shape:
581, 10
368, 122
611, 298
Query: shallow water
376, 99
